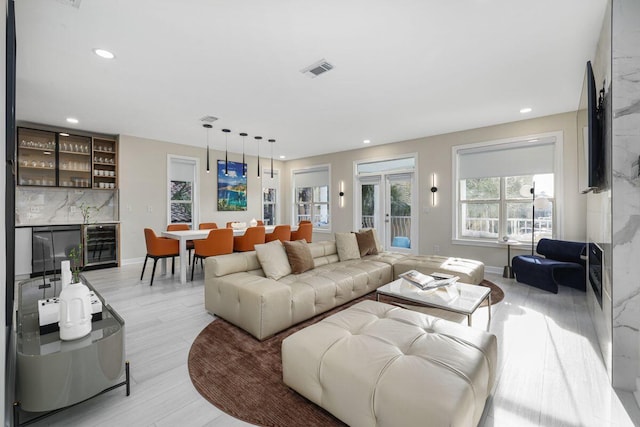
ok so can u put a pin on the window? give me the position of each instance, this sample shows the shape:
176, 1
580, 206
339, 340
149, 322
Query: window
270, 188
183, 190
494, 190
181, 202
311, 197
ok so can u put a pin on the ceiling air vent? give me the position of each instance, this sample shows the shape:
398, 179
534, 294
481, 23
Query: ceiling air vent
208, 119
314, 70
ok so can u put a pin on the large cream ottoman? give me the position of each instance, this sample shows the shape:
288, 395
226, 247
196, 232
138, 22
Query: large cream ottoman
375, 364
469, 270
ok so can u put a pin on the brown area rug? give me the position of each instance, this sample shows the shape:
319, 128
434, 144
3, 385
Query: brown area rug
497, 294
243, 376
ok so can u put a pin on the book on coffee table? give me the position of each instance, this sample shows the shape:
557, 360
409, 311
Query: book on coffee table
428, 281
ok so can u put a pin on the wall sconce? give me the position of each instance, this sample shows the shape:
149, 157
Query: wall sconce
434, 189
341, 194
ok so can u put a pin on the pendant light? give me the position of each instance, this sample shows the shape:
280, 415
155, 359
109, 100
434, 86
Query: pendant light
207, 126
244, 165
226, 151
258, 138
272, 141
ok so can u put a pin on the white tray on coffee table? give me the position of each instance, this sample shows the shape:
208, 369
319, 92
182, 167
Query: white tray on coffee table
458, 297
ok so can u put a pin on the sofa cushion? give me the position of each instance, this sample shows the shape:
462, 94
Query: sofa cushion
347, 246
273, 259
366, 243
379, 245
299, 256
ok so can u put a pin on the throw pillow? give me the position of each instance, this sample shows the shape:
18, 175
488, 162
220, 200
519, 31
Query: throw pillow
299, 255
273, 259
366, 243
347, 246
375, 237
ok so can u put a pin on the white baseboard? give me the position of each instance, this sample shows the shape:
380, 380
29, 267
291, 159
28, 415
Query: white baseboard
493, 270
131, 261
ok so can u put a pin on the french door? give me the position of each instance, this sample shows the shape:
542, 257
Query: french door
386, 203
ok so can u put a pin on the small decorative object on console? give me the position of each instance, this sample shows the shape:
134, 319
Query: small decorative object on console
75, 312
49, 313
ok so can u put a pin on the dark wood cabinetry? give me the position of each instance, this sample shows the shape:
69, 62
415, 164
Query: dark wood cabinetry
53, 158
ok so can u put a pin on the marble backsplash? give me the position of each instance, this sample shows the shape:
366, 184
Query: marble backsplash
50, 206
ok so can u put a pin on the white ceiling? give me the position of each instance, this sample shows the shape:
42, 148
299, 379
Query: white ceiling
403, 69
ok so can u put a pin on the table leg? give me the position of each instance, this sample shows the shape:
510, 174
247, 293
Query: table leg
468, 319
511, 275
489, 308
163, 267
183, 260
507, 272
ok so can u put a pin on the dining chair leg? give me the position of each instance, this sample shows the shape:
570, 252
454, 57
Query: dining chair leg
193, 267
144, 266
153, 272
173, 265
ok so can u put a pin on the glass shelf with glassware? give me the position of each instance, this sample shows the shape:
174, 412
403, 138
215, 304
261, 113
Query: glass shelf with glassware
36, 157
105, 164
57, 158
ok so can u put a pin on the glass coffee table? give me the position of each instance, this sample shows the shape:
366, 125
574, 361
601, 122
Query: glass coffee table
458, 297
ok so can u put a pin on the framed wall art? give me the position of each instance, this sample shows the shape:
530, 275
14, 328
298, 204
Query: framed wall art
232, 187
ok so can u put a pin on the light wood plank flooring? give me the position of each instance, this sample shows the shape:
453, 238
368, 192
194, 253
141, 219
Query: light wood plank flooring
550, 370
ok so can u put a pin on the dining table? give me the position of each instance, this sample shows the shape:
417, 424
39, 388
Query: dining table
183, 235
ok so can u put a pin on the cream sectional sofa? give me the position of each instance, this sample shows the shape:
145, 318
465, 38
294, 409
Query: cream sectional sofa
237, 290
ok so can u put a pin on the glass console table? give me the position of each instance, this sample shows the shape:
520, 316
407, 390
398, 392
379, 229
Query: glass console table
52, 374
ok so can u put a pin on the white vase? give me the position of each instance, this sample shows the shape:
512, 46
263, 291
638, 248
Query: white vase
75, 312
253, 222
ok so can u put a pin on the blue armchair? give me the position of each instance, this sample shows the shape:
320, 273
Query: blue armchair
562, 265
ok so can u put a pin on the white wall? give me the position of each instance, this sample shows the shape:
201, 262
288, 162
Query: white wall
434, 156
143, 189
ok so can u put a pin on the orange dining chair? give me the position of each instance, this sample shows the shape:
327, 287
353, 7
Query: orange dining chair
252, 236
304, 221
280, 232
208, 226
219, 242
158, 248
304, 231
260, 222
182, 227
229, 224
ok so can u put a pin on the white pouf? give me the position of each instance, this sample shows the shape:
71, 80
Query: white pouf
375, 364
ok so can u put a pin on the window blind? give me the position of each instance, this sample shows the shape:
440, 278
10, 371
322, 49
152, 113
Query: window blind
511, 159
311, 178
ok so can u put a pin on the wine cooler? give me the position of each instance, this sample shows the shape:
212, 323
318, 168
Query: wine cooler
101, 245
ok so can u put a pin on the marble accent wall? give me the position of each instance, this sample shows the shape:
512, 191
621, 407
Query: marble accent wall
599, 205
52, 206
625, 187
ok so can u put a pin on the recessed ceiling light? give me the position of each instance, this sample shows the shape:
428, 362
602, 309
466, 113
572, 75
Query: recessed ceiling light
283, 157
102, 53
72, 120
525, 110
64, 134
366, 141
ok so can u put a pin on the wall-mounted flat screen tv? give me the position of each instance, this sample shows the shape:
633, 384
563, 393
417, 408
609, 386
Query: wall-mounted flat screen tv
590, 135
